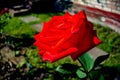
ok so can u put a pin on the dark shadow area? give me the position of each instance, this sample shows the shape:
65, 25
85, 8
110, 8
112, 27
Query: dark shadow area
106, 72
51, 5
25, 7
14, 73
111, 73
14, 42
40, 6
10, 3
43, 6
47, 6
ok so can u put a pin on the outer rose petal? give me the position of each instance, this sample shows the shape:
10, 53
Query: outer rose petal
66, 35
52, 58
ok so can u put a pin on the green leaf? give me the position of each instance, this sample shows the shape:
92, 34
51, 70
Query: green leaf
87, 61
67, 68
80, 73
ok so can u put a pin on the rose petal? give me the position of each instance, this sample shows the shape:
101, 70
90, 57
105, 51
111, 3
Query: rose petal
66, 35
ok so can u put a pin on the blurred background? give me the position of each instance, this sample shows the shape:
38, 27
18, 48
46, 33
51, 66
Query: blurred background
20, 20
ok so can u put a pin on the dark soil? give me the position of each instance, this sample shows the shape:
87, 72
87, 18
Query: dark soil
9, 61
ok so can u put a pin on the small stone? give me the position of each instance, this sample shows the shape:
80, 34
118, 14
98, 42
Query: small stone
29, 19
38, 27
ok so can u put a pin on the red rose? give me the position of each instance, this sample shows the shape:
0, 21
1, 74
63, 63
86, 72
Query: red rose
66, 35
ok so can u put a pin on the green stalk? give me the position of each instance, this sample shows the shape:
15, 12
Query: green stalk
87, 73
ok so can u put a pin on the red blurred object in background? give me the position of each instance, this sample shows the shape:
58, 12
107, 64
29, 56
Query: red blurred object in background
3, 11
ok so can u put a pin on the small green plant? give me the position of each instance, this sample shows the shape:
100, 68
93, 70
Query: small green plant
4, 20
